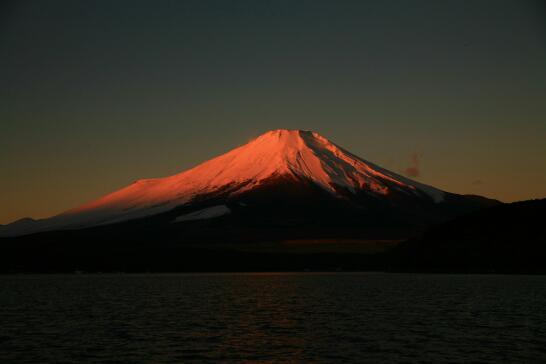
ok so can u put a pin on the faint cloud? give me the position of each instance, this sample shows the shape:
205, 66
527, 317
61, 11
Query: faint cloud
477, 182
413, 170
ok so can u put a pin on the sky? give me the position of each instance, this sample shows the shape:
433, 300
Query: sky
97, 94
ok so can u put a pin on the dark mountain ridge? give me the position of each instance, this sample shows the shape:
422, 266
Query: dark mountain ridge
510, 238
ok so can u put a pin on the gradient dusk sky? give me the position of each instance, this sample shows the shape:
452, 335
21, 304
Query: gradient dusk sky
97, 94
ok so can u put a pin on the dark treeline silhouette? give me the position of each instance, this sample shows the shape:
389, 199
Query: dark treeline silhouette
509, 238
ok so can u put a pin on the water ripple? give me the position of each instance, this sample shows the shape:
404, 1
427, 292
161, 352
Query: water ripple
366, 317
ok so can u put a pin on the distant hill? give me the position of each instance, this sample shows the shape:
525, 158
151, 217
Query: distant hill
509, 238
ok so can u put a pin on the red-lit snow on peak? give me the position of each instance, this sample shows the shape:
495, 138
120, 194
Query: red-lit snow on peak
296, 153
279, 152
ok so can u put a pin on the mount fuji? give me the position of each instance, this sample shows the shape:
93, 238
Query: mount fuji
287, 200
291, 180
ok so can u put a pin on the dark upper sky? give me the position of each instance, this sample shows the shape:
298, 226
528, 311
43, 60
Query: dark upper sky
96, 94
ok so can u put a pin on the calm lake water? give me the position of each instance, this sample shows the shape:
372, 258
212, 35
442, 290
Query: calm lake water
284, 317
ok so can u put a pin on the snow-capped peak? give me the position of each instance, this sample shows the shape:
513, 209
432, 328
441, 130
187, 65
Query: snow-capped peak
295, 153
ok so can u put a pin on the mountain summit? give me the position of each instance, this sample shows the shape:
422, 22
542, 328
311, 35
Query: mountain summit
280, 164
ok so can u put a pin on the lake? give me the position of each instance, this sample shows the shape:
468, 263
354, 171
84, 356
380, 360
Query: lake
279, 317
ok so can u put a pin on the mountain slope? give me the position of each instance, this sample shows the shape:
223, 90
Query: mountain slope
302, 161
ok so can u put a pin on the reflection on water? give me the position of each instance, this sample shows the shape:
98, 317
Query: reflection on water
368, 317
